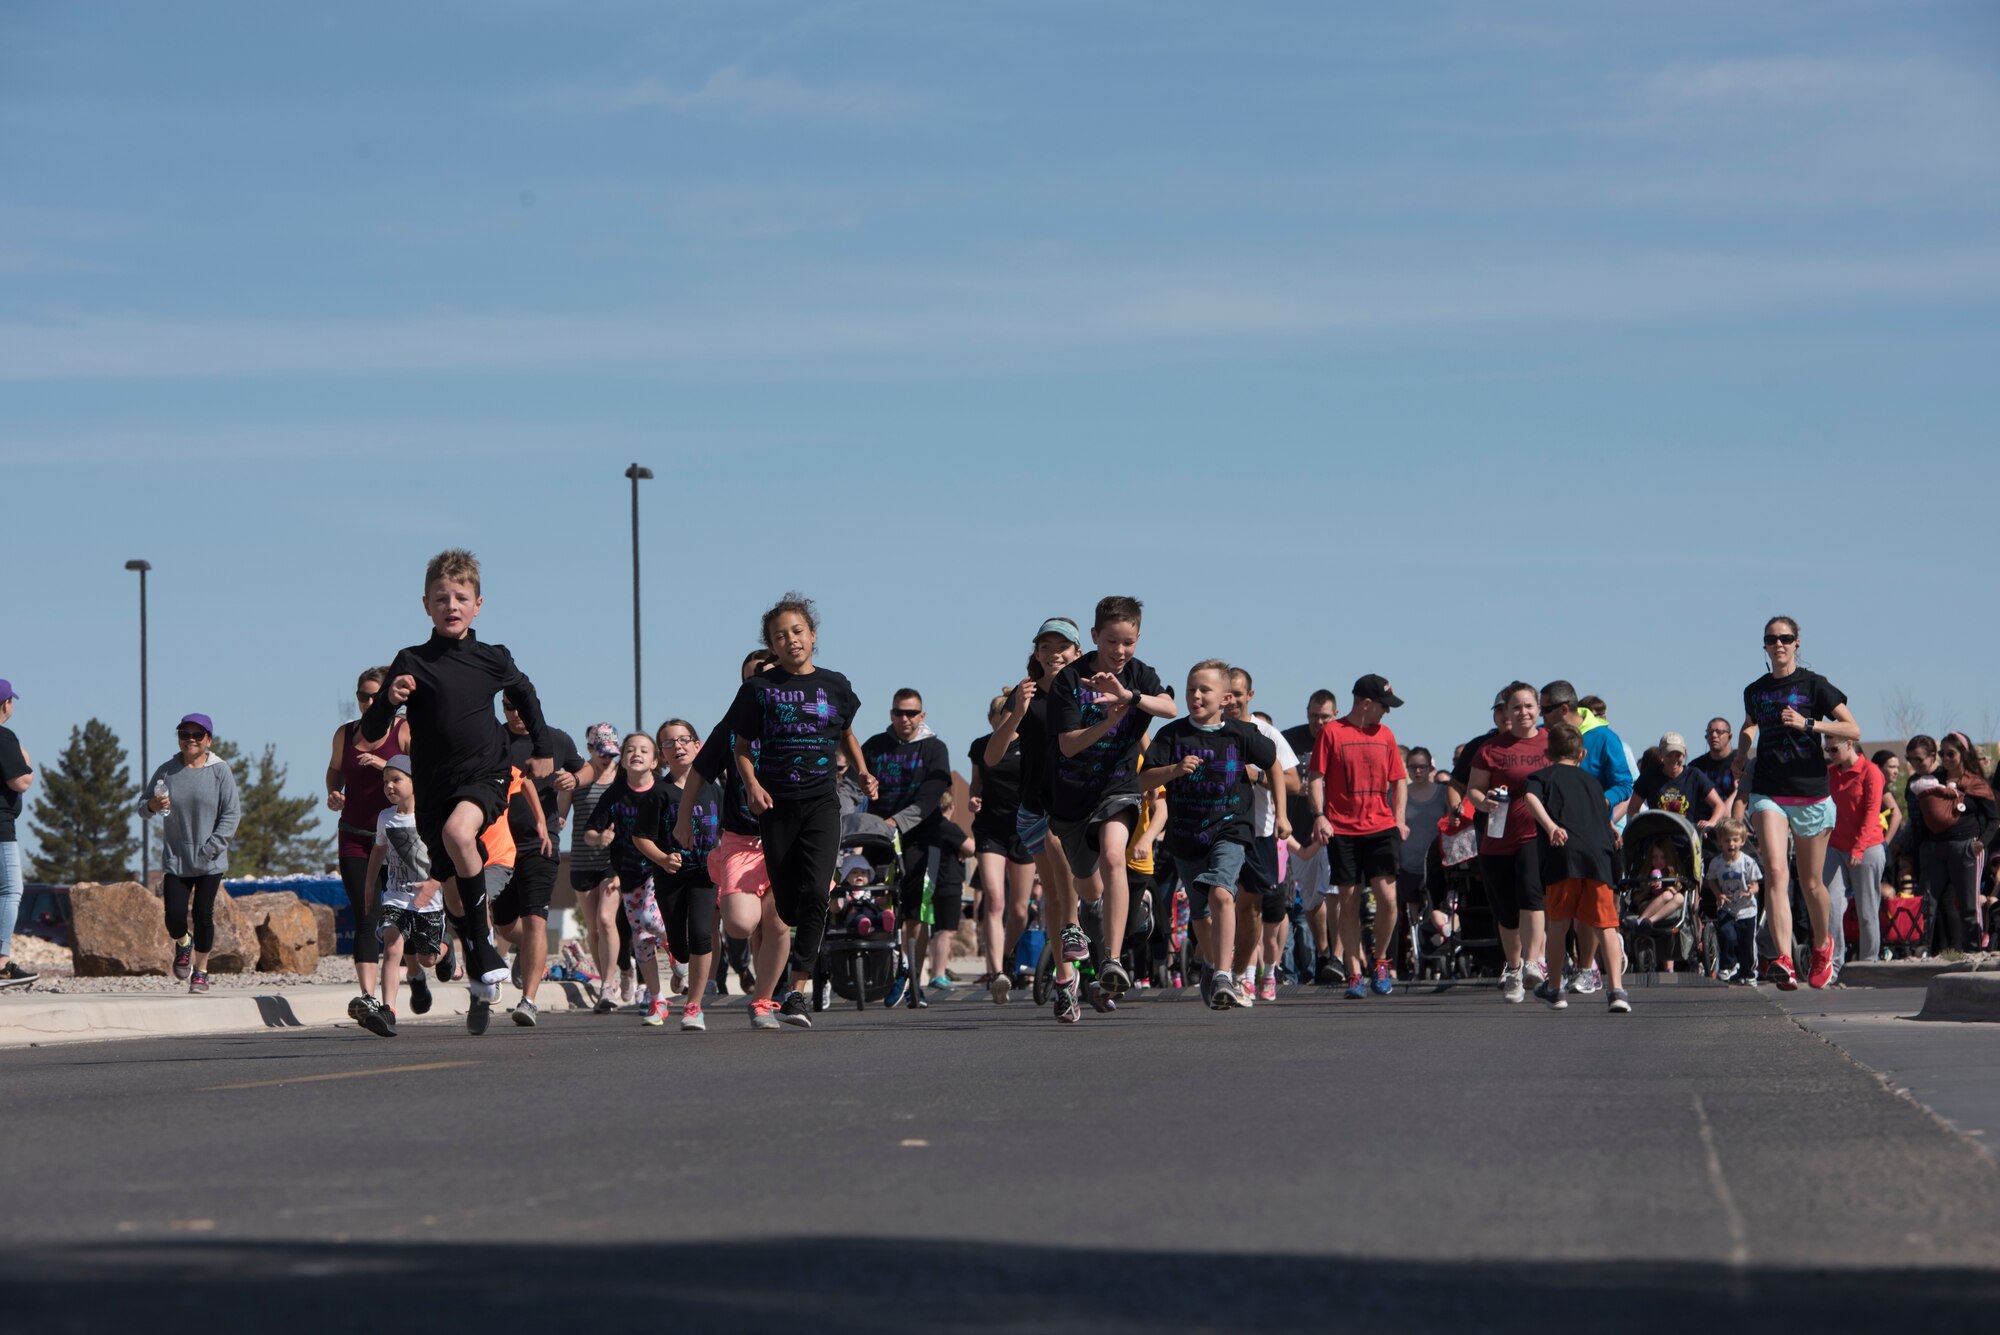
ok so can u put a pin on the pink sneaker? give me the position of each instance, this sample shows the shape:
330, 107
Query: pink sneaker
1267, 990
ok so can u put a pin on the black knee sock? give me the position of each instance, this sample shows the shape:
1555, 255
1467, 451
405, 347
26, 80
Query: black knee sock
1090, 917
475, 929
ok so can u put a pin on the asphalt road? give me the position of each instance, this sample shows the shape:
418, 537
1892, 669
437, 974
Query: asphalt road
1416, 1162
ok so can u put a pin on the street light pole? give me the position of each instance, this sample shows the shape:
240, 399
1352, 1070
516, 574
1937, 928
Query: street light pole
638, 475
145, 768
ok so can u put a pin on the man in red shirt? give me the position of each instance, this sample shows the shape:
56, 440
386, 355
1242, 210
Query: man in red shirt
1854, 855
1359, 787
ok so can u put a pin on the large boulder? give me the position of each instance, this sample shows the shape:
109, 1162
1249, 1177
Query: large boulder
235, 937
329, 933
116, 929
288, 938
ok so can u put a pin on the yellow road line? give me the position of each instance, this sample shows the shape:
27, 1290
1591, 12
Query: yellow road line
337, 1075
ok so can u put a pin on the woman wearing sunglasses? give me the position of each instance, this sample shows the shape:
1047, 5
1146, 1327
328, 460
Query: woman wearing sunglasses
1790, 713
354, 794
194, 795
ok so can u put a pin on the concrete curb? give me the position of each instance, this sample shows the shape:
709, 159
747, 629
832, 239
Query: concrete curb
1908, 973
1962, 996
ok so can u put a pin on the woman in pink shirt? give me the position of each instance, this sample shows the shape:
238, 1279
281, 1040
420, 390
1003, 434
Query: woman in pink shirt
1855, 853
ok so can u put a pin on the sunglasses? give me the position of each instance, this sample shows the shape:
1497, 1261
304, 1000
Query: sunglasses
193, 736
366, 695
1781, 639
906, 713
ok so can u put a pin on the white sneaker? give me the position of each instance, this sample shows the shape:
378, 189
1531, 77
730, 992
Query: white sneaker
1510, 986
1725, 973
1588, 981
1534, 972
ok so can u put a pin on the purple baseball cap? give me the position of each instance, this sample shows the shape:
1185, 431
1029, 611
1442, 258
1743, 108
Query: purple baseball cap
201, 721
7, 691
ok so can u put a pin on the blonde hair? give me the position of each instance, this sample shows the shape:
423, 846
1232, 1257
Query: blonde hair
1732, 826
455, 564
1214, 665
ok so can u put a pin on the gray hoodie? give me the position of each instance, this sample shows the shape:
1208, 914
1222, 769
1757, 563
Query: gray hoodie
197, 828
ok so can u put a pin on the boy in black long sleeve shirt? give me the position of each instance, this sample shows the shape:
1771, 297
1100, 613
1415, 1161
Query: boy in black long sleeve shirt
458, 752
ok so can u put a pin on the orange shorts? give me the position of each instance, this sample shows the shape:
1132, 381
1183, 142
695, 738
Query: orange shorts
1586, 903
737, 866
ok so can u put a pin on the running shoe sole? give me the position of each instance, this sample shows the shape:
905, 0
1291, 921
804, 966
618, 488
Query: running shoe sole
999, 987
524, 1018
377, 1023
1113, 978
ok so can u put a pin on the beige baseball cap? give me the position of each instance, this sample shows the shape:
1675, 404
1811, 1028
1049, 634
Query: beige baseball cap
1673, 741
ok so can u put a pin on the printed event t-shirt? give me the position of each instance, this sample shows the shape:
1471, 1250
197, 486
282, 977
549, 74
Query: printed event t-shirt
1791, 762
799, 723
1686, 794
1104, 768
1510, 760
1212, 805
1358, 766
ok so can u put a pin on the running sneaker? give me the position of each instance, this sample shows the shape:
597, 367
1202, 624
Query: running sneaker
1511, 989
420, 993
998, 987
796, 1013
1534, 971
897, 987
524, 1013
1357, 990
198, 984
1101, 999
358, 1007
677, 981
628, 987
691, 1019
764, 1015
1075, 945
183, 958
1114, 978
1222, 993
1553, 995
374, 1017
942, 983
1586, 981
656, 1013
447, 965
1140, 984
1267, 988
478, 1013
1246, 994
605, 1005
1385, 983
1821, 974
1620, 1003
15, 976
1067, 1011
1782, 973
1727, 973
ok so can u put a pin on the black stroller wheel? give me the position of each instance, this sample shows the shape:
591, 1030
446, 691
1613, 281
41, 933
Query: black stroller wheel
1045, 973
860, 980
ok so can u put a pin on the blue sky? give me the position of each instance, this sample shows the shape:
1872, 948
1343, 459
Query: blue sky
1457, 342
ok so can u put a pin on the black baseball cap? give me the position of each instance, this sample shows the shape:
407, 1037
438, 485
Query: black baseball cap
1372, 687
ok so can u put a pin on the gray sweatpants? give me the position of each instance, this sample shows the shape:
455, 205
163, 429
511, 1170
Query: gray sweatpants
1864, 885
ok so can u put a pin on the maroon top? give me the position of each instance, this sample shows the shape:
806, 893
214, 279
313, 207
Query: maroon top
363, 786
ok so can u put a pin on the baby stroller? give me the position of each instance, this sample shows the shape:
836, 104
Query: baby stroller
859, 957
1684, 936
1453, 884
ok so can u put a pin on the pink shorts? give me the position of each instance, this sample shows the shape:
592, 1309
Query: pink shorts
737, 866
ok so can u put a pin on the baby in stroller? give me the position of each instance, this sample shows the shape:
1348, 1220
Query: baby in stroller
1657, 895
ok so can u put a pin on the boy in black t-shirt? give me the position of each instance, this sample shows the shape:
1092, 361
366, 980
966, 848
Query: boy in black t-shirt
1576, 847
1099, 707
1203, 761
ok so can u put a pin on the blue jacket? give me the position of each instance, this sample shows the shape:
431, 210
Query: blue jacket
1604, 758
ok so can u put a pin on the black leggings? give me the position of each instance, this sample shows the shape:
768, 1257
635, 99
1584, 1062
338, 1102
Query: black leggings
354, 877
1514, 882
687, 907
202, 890
801, 841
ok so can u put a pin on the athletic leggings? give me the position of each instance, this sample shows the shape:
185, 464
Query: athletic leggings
202, 890
801, 841
1514, 883
687, 904
642, 911
354, 876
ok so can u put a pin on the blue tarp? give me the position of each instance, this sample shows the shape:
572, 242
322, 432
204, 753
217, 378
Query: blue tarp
313, 890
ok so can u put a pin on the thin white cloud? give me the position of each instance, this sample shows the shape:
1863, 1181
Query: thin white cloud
896, 323
737, 92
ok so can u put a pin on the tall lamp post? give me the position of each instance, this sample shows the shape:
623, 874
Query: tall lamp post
145, 767
638, 475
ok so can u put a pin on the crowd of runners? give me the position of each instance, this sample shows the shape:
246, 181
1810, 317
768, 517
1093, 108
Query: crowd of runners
1147, 830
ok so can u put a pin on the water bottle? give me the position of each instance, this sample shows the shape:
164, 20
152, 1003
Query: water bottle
1496, 820
160, 792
